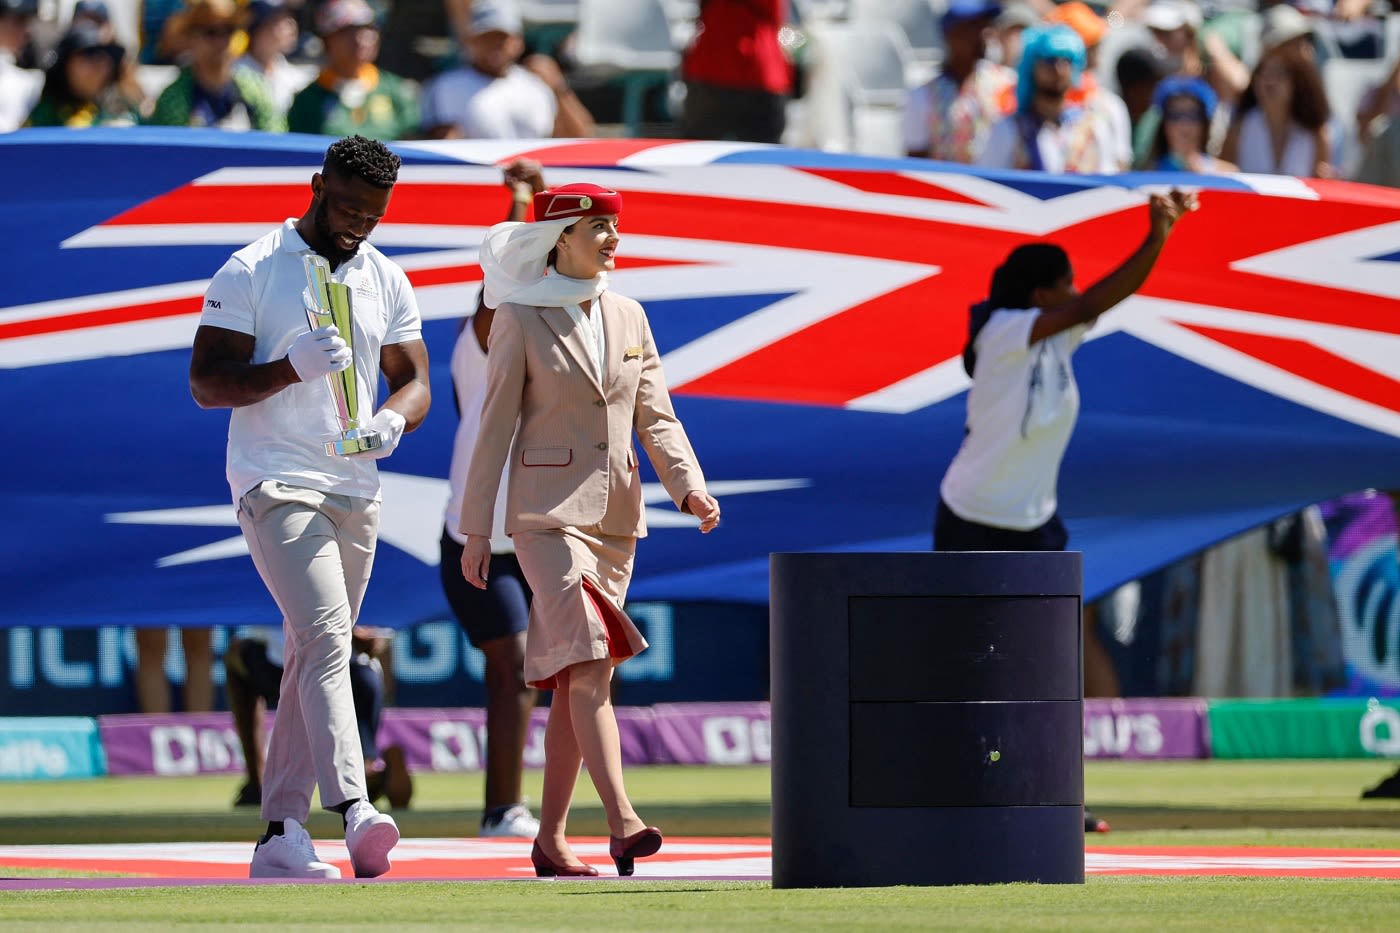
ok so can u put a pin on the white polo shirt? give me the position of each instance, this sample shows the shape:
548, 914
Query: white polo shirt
259, 292
1021, 411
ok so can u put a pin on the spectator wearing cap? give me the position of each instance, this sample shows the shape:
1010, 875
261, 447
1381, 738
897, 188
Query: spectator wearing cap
96, 14
352, 96
950, 117
495, 95
1280, 126
80, 87
1007, 31
19, 87
273, 34
1090, 93
1047, 133
1186, 105
738, 79
209, 91
1175, 25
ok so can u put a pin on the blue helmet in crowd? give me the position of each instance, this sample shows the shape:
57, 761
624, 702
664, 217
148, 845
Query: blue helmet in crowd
1187, 86
1046, 43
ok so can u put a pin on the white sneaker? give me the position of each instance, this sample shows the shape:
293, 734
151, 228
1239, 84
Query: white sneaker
369, 835
517, 821
290, 855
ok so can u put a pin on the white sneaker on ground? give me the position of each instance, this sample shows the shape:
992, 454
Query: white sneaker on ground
290, 855
516, 822
369, 835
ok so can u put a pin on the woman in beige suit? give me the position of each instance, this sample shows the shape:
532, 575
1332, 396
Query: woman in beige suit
573, 372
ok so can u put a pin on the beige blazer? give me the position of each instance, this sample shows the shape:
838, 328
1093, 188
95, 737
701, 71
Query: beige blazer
572, 462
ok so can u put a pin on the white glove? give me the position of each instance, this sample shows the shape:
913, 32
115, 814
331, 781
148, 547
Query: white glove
390, 424
319, 352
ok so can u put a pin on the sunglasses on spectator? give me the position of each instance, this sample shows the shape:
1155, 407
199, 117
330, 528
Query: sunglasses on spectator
214, 32
1181, 116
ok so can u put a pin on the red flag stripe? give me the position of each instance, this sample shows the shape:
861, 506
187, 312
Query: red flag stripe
892, 183
1311, 362
101, 317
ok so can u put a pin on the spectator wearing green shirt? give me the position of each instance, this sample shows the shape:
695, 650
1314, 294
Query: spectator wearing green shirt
209, 91
80, 87
351, 96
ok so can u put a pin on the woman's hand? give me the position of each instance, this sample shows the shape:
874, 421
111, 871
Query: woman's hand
476, 560
1164, 210
704, 507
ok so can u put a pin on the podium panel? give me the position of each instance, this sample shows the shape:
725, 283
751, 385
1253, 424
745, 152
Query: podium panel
927, 716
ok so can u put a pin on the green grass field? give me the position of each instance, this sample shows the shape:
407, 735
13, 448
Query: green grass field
1276, 803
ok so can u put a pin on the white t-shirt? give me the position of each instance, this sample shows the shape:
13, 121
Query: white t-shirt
282, 81
517, 106
469, 381
19, 92
1256, 148
1021, 412
258, 292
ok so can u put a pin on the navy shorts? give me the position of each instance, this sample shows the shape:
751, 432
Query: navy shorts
953, 533
499, 611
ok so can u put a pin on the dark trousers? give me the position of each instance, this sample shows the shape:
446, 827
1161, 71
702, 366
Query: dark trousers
713, 112
952, 533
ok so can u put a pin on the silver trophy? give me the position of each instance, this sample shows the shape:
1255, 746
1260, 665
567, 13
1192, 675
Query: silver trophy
328, 302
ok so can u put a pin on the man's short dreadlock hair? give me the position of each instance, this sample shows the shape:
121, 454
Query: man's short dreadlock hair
364, 158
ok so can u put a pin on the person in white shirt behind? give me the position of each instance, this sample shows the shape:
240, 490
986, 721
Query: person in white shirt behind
1000, 493
19, 87
494, 96
495, 619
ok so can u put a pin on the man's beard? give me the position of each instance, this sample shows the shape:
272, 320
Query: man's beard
330, 246
1054, 94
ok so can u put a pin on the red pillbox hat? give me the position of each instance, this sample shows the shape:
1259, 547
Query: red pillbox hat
577, 200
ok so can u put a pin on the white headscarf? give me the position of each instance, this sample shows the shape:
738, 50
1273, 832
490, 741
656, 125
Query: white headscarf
513, 262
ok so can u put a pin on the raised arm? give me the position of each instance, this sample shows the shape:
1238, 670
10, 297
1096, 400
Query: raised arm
525, 179
1163, 213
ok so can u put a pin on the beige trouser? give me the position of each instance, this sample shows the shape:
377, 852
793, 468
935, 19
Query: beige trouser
314, 551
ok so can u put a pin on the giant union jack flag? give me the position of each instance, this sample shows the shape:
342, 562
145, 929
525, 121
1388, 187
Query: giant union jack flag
811, 308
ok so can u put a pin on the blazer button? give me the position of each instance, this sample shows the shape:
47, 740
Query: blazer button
603, 445
600, 403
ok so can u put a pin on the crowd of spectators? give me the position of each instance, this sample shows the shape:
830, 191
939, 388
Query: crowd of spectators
305, 66
1170, 85
1225, 87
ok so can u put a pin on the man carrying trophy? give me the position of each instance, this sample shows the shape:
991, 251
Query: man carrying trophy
296, 330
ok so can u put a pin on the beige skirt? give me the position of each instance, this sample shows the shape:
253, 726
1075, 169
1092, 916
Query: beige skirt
579, 579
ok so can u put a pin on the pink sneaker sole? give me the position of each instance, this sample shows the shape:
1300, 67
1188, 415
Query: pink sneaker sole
370, 856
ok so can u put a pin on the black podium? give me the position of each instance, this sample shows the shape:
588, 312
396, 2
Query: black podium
927, 713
